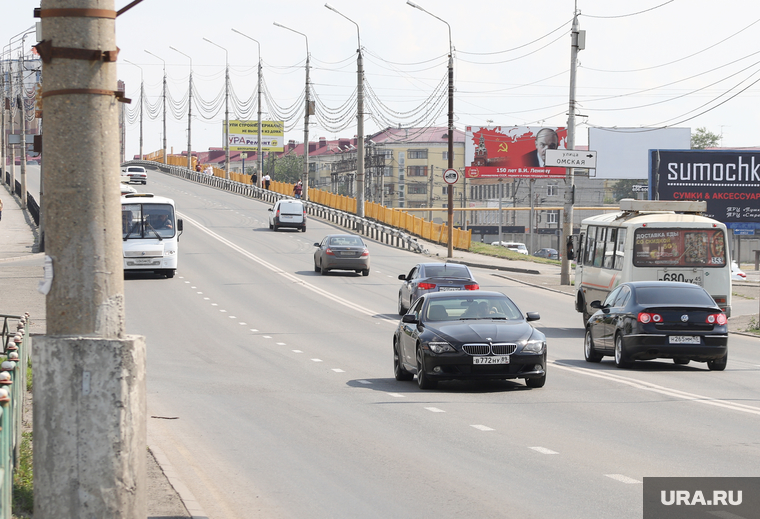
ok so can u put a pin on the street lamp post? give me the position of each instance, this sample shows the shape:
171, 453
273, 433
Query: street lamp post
305, 193
189, 111
259, 155
164, 104
359, 119
142, 102
226, 109
450, 188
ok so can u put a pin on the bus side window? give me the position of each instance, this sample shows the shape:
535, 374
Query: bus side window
599, 252
609, 255
620, 252
590, 240
126, 221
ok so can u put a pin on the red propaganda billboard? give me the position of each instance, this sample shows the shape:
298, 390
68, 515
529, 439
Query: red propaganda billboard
511, 151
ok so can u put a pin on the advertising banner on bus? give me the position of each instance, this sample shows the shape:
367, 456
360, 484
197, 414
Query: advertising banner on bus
512, 151
244, 135
729, 181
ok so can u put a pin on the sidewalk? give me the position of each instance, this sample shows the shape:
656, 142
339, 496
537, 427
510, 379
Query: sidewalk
20, 271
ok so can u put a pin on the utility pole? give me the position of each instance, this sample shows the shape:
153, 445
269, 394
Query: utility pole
189, 111
22, 124
163, 99
259, 154
577, 44
89, 391
2, 119
142, 102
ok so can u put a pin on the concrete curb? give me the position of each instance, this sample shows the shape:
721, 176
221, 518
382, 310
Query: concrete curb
188, 499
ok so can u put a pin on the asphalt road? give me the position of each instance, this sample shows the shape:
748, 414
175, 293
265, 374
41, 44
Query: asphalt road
271, 392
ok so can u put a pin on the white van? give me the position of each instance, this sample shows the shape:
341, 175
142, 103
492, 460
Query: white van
287, 213
652, 241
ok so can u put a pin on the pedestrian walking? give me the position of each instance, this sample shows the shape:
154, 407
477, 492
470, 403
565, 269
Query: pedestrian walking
298, 189
1, 208
267, 180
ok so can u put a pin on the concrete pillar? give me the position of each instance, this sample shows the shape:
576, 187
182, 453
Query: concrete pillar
89, 390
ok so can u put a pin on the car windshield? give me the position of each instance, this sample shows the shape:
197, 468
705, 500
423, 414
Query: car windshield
149, 221
463, 307
677, 295
447, 271
346, 241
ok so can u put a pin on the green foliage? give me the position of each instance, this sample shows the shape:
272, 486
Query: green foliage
23, 480
702, 138
288, 168
624, 189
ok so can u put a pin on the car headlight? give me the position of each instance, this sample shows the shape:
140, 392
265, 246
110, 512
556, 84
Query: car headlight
534, 346
440, 347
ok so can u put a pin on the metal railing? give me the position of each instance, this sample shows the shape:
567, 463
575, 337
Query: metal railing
370, 228
15, 352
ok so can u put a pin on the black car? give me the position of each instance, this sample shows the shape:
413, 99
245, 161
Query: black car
468, 335
433, 277
644, 320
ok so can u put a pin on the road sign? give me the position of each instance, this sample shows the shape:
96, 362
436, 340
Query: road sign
745, 232
450, 176
640, 188
571, 159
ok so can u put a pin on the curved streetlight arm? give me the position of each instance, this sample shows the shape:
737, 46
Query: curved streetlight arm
302, 34
217, 45
253, 39
185, 55
350, 20
409, 2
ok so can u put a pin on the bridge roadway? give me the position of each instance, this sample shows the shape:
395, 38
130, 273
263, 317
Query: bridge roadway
271, 393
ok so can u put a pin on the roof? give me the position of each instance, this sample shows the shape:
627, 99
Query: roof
429, 135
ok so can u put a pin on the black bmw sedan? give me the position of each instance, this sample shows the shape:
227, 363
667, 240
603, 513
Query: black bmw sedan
468, 335
645, 320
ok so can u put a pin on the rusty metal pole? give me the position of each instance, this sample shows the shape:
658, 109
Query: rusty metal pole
89, 391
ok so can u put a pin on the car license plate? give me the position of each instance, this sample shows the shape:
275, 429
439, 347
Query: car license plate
684, 339
143, 261
449, 289
693, 277
346, 253
496, 359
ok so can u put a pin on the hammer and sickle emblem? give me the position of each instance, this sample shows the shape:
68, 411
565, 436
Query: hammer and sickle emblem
503, 147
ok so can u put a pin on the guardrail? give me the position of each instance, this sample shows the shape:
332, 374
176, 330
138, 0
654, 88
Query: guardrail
370, 228
15, 351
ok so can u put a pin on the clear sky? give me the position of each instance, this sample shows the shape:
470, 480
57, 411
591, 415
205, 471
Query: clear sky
646, 63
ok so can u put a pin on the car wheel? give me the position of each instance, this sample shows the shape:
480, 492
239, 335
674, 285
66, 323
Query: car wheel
316, 267
718, 364
169, 274
274, 228
401, 308
423, 380
399, 372
271, 226
365, 272
589, 352
681, 361
303, 229
323, 270
621, 360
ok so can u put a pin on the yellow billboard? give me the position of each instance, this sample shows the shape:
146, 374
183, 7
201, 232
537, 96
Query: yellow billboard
244, 135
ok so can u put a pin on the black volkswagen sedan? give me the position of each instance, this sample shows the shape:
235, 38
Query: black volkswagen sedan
468, 335
646, 320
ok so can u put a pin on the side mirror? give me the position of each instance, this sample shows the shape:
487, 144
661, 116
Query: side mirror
402, 277
269, 209
179, 225
409, 318
595, 304
316, 244
532, 316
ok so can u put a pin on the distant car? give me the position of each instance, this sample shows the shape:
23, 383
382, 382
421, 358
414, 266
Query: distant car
644, 320
513, 246
341, 252
433, 277
288, 213
136, 174
547, 253
737, 274
125, 188
468, 335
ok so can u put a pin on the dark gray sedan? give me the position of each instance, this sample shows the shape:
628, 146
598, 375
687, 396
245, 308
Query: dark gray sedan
341, 252
433, 277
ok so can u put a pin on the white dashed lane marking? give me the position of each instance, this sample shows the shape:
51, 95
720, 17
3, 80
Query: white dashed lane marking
544, 450
316, 360
396, 395
482, 427
623, 479
365, 382
435, 410
297, 351
338, 370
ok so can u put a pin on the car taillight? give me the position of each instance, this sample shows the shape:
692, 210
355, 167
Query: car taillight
330, 252
716, 318
365, 252
645, 317
426, 286
277, 214
472, 287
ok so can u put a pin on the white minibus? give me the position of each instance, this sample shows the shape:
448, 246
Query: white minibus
652, 240
150, 230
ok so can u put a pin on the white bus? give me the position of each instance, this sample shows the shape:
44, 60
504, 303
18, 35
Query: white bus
150, 230
652, 240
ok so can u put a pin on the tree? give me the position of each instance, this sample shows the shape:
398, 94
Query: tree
703, 138
288, 168
624, 189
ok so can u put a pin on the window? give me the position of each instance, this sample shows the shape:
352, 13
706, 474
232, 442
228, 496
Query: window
416, 171
551, 190
446, 190
417, 154
620, 252
416, 189
609, 255
446, 155
601, 235
387, 171
552, 217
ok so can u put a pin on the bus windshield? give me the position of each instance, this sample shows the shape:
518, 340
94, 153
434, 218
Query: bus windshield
679, 247
147, 221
